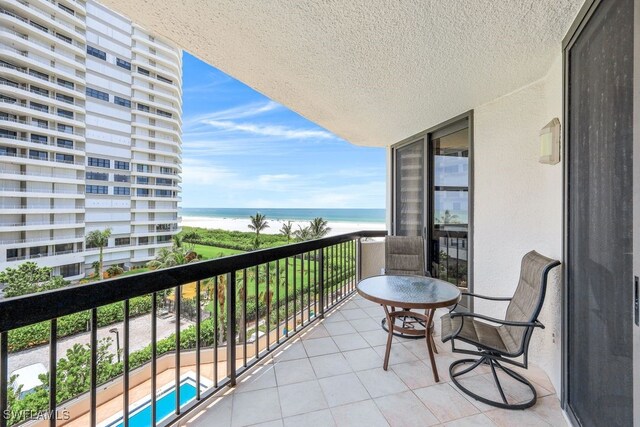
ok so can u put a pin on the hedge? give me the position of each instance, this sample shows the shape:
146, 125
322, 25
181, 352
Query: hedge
38, 334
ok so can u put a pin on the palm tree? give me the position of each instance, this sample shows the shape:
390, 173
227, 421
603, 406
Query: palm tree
303, 234
99, 239
287, 230
318, 228
449, 218
258, 223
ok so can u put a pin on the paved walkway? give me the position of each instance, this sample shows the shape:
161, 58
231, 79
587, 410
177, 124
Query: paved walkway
139, 334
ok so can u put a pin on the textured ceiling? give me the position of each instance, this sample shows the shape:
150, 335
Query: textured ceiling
372, 71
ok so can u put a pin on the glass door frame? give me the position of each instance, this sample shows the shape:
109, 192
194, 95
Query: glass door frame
427, 136
581, 20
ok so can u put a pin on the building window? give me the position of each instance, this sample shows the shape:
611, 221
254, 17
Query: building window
64, 158
64, 38
163, 193
64, 143
143, 107
12, 254
65, 98
65, 128
123, 241
38, 155
67, 9
143, 71
38, 251
121, 178
142, 192
97, 189
96, 52
38, 26
143, 240
40, 123
8, 82
162, 239
94, 93
144, 168
164, 79
142, 179
8, 151
40, 139
121, 191
39, 75
70, 270
65, 83
166, 171
101, 163
98, 176
65, 248
5, 98
122, 101
121, 165
65, 113
164, 181
122, 63
39, 107
39, 90
163, 113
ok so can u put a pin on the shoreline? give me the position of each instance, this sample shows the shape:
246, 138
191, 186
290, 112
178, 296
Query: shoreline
241, 224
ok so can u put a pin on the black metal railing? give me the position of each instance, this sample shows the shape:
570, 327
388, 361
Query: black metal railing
228, 312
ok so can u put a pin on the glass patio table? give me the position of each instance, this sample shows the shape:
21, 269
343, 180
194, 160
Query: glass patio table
399, 294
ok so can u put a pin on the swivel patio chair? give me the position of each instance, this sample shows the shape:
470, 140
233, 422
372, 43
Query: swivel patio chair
404, 256
499, 343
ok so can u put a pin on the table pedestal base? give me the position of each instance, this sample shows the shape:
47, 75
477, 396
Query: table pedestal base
401, 329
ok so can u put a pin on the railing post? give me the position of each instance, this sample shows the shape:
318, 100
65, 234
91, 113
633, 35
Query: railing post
321, 280
231, 328
359, 260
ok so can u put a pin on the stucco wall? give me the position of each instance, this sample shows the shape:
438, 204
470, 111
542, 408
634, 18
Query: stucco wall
518, 204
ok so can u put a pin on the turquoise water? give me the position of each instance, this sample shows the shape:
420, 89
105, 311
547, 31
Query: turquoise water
341, 215
165, 406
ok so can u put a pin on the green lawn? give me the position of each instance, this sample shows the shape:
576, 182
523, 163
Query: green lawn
211, 252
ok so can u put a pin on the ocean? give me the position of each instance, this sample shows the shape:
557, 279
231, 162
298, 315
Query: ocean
331, 215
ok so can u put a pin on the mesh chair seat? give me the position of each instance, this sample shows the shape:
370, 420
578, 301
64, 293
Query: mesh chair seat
491, 337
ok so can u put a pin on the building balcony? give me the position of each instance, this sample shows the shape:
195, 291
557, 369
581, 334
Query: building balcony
32, 176
39, 225
316, 359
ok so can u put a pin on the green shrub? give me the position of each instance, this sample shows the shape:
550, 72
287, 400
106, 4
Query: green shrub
38, 334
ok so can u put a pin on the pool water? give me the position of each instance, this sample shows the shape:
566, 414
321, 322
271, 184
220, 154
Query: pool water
165, 406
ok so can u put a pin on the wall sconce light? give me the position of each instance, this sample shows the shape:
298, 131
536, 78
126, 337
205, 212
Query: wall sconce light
550, 143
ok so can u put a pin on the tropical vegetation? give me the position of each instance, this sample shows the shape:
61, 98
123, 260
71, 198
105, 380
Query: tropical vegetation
258, 223
29, 278
99, 239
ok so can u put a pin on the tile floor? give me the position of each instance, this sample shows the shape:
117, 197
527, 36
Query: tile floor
332, 376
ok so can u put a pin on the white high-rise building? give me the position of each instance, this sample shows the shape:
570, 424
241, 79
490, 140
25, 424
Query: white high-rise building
90, 136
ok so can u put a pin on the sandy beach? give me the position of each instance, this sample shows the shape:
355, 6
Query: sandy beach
241, 224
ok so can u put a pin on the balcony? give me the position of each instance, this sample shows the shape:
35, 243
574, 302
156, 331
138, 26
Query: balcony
320, 274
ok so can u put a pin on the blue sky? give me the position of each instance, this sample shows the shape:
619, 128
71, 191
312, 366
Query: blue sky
242, 150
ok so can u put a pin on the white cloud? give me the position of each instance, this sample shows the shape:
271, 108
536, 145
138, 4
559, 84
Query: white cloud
270, 130
234, 113
198, 172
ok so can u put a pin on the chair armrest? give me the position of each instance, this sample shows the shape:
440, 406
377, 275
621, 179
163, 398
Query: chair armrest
534, 324
487, 297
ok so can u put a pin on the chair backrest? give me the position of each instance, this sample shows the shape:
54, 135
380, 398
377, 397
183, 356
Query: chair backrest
404, 255
529, 296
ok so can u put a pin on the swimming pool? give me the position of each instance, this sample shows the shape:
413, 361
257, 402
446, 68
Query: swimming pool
140, 412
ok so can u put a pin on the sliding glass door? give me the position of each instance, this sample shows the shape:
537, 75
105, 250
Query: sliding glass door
449, 156
432, 198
